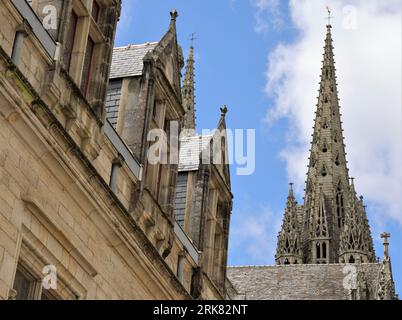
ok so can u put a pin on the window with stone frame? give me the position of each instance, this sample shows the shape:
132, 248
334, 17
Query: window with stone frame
83, 45
322, 252
29, 275
28, 286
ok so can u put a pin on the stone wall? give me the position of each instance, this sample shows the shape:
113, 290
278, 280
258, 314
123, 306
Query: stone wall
298, 282
56, 206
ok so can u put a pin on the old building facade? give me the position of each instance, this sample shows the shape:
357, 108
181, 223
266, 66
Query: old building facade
327, 240
79, 201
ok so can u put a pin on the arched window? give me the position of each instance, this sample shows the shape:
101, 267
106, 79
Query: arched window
318, 250
351, 259
286, 262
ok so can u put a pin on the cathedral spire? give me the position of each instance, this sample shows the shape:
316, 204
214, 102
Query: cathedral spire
333, 223
189, 94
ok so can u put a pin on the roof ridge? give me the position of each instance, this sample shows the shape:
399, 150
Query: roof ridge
296, 265
128, 46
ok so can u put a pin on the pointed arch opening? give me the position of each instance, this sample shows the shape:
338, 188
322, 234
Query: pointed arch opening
352, 259
325, 147
336, 139
318, 250
337, 160
340, 208
313, 160
325, 125
324, 171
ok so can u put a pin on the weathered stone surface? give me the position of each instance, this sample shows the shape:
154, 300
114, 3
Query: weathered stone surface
298, 282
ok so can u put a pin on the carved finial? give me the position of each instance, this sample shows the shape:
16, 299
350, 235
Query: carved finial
174, 14
386, 236
224, 111
291, 190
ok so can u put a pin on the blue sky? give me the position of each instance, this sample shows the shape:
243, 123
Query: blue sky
262, 59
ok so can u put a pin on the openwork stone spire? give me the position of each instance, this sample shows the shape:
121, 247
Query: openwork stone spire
334, 226
189, 94
289, 240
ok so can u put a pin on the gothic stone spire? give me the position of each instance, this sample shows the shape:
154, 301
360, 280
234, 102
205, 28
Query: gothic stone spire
189, 94
334, 225
289, 240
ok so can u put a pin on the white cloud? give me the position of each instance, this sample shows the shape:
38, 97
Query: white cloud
268, 14
367, 40
256, 235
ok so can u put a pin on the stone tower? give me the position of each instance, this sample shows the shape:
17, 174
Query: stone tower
188, 94
331, 226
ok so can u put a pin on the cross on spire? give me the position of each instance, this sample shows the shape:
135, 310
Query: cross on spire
386, 237
192, 39
329, 15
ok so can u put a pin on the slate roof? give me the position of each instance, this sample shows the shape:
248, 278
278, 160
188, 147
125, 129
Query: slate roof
128, 61
297, 282
190, 150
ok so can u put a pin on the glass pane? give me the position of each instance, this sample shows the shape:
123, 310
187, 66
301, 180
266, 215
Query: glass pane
22, 285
